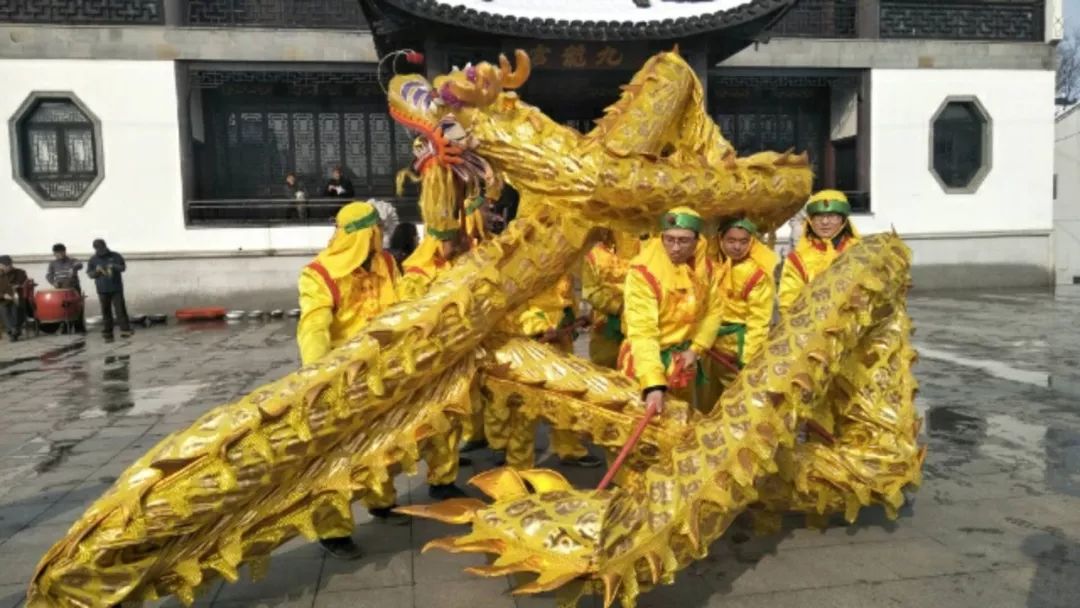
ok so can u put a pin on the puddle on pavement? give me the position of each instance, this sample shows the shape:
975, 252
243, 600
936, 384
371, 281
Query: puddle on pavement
1014, 441
46, 360
998, 369
116, 385
58, 453
1065, 386
955, 425
1062, 460
151, 401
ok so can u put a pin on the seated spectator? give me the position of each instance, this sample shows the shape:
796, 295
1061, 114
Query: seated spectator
12, 280
339, 186
295, 190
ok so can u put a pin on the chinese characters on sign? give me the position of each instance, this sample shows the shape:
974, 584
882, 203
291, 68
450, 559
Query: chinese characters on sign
580, 56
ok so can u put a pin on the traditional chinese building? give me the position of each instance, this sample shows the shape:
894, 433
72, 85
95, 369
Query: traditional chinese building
167, 126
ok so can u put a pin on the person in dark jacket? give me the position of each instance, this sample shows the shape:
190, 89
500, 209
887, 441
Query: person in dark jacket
339, 186
63, 271
11, 284
106, 268
404, 241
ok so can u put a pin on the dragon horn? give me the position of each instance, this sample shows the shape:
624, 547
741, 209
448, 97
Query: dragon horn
478, 94
512, 79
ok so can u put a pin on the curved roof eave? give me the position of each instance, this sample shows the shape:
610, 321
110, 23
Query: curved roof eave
666, 20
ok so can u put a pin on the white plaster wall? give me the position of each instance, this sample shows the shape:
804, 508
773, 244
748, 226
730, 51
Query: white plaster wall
138, 208
1067, 203
1017, 193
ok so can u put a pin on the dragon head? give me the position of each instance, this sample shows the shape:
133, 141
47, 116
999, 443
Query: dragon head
446, 162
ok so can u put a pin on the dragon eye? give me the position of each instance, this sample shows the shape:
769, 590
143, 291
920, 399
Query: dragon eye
453, 130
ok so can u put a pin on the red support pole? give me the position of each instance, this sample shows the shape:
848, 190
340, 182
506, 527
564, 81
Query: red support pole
630, 443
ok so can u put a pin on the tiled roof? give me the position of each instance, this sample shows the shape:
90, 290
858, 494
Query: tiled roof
593, 19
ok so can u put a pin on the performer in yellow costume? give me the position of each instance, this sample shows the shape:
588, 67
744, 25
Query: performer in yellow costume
828, 233
671, 310
348, 283
550, 318
602, 282
432, 258
747, 291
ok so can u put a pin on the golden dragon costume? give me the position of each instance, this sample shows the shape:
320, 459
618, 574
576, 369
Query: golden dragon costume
289, 458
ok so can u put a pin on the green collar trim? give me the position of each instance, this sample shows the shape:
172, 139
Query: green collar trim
681, 220
834, 206
365, 222
444, 235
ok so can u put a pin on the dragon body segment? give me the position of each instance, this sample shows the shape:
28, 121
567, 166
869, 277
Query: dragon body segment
289, 458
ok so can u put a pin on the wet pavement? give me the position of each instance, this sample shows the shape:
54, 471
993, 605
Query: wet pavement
996, 523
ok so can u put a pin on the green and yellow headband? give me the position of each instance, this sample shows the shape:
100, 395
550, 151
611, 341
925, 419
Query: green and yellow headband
451, 234
833, 206
681, 220
367, 221
744, 223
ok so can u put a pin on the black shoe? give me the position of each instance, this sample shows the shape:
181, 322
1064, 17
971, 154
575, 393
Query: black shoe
14, 337
387, 515
464, 462
342, 548
587, 461
473, 445
446, 492
108, 337
127, 334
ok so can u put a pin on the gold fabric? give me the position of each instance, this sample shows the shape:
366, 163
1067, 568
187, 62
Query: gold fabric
421, 268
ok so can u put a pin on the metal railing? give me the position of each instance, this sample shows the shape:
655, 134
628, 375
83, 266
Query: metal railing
264, 212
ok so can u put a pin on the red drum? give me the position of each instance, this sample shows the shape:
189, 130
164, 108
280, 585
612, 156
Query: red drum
200, 314
58, 305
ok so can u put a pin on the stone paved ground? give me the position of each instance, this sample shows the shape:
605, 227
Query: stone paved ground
997, 523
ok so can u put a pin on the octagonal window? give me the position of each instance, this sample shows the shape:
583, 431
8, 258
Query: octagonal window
57, 155
960, 144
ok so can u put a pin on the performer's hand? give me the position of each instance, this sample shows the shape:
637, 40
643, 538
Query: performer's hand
549, 336
655, 400
689, 359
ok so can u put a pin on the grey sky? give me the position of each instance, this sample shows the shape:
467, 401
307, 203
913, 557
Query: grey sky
1072, 12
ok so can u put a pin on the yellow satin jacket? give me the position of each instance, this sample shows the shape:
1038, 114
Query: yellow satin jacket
602, 281
746, 299
810, 258
666, 307
545, 311
332, 311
